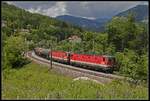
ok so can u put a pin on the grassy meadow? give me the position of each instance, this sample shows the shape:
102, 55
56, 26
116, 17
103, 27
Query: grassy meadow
35, 81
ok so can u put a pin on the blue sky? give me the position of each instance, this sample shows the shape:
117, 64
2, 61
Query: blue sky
86, 9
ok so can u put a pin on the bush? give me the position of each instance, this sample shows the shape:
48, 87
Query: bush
132, 65
13, 52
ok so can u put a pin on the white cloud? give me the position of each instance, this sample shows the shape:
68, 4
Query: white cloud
91, 18
87, 9
85, 3
9, 2
38, 10
58, 9
144, 2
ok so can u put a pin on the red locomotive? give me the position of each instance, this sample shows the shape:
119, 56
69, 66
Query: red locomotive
95, 62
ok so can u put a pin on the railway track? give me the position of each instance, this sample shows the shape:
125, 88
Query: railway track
75, 72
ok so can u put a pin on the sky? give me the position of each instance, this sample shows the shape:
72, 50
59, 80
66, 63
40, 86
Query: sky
85, 9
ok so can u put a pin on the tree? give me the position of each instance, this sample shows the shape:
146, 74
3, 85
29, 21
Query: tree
102, 39
131, 65
124, 32
141, 72
64, 45
89, 41
116, 30
13, 52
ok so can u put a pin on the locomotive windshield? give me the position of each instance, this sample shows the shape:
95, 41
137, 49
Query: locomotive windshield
111, 59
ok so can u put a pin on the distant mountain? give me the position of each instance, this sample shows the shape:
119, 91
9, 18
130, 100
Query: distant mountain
102, 20
94, 25
140, 11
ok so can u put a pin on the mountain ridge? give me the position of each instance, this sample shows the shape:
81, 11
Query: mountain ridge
140, 12
93, 24
98, 24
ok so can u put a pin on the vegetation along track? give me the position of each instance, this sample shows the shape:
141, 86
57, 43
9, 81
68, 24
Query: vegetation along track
74, 71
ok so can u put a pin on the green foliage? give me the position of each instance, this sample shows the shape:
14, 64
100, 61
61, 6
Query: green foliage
132, 65
110, 50
7, 30
142, 69
116, 30
64, 46
37, 82
97, 43
131, 39
13, 50
126, 33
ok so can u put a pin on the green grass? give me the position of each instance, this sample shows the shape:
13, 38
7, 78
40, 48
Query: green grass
35, 81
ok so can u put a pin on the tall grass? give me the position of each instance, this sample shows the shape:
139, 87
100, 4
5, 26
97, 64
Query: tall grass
35, 81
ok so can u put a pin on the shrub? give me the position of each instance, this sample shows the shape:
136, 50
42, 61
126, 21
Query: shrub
132, 65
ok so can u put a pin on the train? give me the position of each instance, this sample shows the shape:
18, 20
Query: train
102, 63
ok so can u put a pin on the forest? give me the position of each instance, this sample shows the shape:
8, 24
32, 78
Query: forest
123, 38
